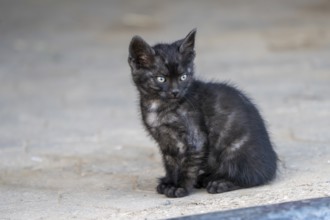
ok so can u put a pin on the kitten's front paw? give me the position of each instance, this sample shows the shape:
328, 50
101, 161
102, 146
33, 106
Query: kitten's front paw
161, 188
175, 192
164, 183
171, 191
220, 186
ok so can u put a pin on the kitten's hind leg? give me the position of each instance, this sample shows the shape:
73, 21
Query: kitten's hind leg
220, 186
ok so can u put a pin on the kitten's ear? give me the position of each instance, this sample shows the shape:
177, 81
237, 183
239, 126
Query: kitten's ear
140, 53
188, 43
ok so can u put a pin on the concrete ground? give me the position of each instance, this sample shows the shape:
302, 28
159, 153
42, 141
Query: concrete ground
71, 141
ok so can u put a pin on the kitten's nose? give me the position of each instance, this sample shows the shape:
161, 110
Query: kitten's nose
175, 93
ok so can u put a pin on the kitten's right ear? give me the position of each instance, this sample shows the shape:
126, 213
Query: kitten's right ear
140, 53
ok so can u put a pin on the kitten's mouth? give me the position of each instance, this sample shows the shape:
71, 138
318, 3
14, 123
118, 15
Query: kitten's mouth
174, 99
174, 96
171, 97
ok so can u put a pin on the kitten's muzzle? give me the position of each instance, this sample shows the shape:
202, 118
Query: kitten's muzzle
175, 93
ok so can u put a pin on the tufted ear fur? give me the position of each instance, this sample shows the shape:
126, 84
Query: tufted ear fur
141, 55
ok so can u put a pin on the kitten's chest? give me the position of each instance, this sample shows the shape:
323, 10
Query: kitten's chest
175, 129
155, 116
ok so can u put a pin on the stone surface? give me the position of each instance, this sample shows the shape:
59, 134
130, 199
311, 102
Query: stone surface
317, 209
71, 141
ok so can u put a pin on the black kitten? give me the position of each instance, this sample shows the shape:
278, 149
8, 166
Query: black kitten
210, 134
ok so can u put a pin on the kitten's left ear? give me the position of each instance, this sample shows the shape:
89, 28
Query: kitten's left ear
188, 43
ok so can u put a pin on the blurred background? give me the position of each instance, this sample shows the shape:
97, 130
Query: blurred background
69, 110
63, 69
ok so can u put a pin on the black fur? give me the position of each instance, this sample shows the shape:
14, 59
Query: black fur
210, 134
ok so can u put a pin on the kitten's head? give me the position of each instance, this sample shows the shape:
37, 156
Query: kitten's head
164, 71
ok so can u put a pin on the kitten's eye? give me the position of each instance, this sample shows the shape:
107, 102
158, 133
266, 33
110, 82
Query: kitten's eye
160, 79
183, 77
